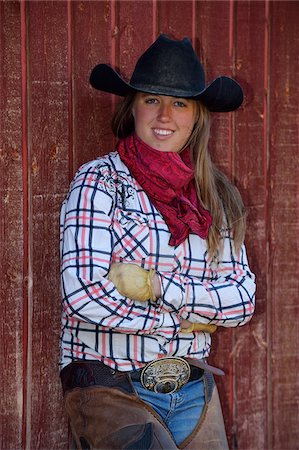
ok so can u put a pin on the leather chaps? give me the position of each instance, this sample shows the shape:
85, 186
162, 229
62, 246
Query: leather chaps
111, 416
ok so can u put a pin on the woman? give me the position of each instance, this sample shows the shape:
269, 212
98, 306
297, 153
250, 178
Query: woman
153, 262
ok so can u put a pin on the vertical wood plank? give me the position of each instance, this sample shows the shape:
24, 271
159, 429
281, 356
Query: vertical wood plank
27, 279
11, 228
250, 167
48, 168
283, 225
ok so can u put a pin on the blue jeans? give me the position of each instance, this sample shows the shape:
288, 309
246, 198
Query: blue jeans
180, 411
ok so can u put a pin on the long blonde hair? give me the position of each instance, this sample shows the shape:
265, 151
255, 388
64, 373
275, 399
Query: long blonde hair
214, 189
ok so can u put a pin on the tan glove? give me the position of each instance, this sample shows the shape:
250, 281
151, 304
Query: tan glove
132, 281
206, 327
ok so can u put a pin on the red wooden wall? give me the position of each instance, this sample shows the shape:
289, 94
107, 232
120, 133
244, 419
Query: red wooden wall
51, 121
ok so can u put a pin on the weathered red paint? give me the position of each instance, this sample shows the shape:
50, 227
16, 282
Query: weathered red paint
11, 228
24, 109
52, 121
250, 346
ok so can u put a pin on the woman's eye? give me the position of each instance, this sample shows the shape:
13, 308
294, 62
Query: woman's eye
151, 101
180, 104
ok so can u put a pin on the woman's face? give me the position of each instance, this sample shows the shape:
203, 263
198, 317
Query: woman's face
163, 122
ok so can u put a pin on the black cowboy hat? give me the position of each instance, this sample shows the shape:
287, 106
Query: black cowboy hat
170, 67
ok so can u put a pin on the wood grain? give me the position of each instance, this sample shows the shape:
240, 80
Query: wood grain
283, 330
250, 173
13, 279
48, 179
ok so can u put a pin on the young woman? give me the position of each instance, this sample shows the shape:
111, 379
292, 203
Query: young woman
153, 261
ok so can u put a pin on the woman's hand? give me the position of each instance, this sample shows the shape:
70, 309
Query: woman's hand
135, 282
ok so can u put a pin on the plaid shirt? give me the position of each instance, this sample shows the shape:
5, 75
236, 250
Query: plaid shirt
107, 217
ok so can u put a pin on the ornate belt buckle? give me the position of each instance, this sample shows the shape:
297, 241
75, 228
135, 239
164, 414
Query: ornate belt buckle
165, 375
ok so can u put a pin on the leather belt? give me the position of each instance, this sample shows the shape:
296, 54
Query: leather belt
169, 378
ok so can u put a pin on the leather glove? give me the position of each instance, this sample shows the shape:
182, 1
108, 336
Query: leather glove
206, 327
132, 281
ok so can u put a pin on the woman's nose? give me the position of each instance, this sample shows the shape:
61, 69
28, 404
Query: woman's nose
164, 113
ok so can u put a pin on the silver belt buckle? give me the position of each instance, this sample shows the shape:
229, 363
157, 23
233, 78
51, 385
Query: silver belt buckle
165, 375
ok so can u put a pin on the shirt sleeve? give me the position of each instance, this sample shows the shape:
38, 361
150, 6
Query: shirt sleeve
228, 299
86, 253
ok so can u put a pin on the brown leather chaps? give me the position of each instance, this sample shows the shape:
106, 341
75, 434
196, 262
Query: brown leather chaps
113, 417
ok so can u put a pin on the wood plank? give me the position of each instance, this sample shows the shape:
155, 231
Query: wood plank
48, 166
250, 166
11, 228
283, 226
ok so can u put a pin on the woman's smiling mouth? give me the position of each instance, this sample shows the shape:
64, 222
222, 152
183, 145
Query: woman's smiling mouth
162, 132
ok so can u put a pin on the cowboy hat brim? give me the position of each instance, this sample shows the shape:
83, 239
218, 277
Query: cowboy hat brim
222, 95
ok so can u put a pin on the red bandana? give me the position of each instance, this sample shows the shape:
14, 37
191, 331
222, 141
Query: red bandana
168, 180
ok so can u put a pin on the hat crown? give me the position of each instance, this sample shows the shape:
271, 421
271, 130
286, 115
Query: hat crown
169, 67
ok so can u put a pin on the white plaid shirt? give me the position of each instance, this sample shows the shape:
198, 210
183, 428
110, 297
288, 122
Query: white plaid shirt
107, 217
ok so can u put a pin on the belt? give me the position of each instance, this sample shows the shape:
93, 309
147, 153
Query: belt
167, 375
164, 375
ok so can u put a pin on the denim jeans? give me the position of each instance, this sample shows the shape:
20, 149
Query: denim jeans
180, 411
